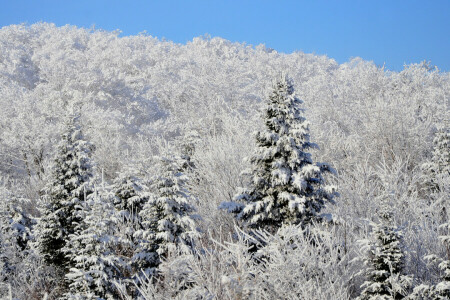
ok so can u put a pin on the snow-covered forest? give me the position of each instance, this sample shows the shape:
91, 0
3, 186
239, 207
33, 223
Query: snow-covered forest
138, 168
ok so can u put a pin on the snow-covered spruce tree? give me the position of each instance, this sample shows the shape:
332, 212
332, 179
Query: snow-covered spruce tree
16, 233
385, 262
287, 186
15, 221
130, 193
68, 186
95, 263
106, 238
439, 166
130, 196
167, 218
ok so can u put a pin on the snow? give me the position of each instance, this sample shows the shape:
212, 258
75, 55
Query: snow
385, 133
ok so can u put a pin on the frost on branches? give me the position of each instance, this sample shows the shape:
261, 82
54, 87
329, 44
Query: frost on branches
287, 186
167, 218
106, 239
385, 262
69, 184
130, 194
441, 290
438, 169
95, 261
15, 233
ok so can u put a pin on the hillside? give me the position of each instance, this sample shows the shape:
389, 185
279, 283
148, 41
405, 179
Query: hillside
140, 98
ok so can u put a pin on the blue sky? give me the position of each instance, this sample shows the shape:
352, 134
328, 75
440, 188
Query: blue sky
387, 32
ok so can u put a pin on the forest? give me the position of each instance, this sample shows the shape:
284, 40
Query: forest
133, 167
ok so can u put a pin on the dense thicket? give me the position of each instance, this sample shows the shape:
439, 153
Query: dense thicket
140, 98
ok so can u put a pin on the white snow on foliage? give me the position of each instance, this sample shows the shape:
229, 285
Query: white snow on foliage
87, 210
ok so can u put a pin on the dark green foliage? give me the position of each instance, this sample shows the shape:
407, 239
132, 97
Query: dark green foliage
168, 220
68, 186
287, 186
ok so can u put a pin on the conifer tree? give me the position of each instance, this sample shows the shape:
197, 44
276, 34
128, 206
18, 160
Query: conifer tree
69, 184
287, 186
15, 232
15, 221
130, 194
106, 239
385, 262
95, 263
167, 217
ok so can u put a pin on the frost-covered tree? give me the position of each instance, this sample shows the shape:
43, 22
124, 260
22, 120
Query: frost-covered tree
440, 290
168, 219
362, 114
439, 167
443, 288
96, 261
287, 186
22, 269
130, 193
130, 196
16, 233
290, 265
67, 188
105, 239
385, 262
15, 221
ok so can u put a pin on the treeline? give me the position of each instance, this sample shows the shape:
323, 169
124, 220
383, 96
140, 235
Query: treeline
142, 102
95, 240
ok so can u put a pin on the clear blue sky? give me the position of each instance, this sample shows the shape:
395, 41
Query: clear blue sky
393, 32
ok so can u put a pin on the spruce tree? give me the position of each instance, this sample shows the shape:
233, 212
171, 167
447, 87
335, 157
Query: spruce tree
95, 263
287, 186
15, 233
106, 239
15, 221
69, 184
130, 196
167, 217
385, 262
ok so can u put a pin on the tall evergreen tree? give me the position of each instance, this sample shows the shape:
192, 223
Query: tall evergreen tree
287, 186
95, 263
105, 239
130, 196
15, 232
385, 262
69, 184
167, 217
